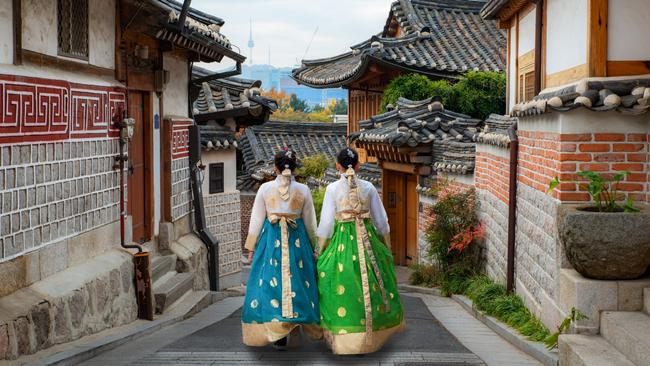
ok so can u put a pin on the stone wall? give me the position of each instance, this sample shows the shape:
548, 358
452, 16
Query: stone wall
82, 300
181, 191
492, 187
222, 214
425, 219
246, 204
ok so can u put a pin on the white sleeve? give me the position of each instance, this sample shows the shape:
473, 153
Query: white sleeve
258, 215
378, 213
309, 217
327, 214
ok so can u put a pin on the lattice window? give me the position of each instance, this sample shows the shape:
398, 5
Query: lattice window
73, 28
216, 178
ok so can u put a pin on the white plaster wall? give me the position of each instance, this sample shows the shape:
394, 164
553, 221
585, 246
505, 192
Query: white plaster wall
229, 160
157, 212
40, 26
101, 37
512, 70
527, 33
6, 33
175, 93
628, 25
566, 35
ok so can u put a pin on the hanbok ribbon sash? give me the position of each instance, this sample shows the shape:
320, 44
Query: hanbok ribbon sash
285, 221
363, 242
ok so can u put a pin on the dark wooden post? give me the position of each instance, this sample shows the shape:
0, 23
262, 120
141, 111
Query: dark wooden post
18, 32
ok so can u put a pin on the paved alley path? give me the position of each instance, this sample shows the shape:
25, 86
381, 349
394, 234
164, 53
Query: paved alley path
213, 337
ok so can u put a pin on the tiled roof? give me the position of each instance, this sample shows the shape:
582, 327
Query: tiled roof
628, 95
231, 97
200, 33
260, 143
439, 38
217, 137
426, 123
495, 131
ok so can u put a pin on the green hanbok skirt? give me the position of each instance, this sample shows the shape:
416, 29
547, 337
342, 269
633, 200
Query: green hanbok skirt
343, 305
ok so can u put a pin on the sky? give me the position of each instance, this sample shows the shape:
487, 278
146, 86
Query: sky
286, 26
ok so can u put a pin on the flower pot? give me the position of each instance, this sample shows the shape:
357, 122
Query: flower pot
606, 246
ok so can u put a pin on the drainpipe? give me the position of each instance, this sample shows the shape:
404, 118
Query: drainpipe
512, 206
201, 229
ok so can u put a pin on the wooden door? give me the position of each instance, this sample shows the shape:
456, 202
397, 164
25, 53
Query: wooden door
411, 211
394, 201
137, 173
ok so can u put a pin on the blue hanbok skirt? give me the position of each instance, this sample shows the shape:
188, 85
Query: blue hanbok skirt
262, 320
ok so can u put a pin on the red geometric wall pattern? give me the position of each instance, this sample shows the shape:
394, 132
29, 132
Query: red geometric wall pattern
181, 138
35, 109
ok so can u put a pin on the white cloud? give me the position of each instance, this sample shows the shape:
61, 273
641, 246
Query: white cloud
286, 26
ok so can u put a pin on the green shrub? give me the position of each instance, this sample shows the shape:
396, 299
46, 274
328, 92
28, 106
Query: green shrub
313, 166
423, 275
477, 93
317, 196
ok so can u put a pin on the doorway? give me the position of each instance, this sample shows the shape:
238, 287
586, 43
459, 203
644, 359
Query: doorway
139, 167
400, 199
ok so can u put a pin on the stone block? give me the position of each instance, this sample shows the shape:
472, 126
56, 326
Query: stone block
630, 294
587, 295
62, 322
40, 318
4, 342
12, 276
32, 267
57, 258
23, 332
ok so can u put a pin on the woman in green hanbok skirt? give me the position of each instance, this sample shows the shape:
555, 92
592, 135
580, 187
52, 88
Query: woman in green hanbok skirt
359, 303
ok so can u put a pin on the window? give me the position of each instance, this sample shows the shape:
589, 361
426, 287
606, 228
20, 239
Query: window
216, 178
73, 28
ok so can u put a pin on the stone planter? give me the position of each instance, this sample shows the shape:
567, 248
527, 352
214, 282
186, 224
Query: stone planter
606, 246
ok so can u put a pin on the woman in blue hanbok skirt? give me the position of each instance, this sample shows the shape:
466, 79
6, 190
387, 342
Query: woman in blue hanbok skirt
282, 292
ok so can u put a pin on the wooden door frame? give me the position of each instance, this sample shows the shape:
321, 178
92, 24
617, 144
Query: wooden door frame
400, 245
147, 121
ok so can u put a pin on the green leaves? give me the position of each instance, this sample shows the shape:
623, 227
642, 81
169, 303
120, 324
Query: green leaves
576, 315
602, 190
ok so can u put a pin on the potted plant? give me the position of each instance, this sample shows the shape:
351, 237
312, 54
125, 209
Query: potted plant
605, 240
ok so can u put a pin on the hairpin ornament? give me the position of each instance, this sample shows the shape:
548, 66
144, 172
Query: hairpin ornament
351, 153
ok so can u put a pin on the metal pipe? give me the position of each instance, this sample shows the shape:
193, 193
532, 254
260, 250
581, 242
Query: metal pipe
512, 206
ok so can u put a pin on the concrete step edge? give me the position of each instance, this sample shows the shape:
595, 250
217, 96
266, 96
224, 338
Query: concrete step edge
169, 292
585, 350
162, 265
629, 332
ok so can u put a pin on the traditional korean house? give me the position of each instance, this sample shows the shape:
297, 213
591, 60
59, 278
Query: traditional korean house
75, 78
439, 39
578, 98
223, 108
414, 141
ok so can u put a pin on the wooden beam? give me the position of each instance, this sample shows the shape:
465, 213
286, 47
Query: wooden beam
399, 167
567, 76
625, 68
597, 38
539, 28
18, 31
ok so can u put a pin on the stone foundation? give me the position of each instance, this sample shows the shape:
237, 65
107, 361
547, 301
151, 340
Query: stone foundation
425, 219
81, 300
493, 213
222, 214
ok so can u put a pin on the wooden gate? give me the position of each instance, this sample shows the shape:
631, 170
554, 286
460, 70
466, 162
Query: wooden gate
400, 199
139, 194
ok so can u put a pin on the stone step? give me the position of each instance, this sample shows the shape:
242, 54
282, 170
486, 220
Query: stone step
165, 294
583, 350
646, 300
629, 332
162, 265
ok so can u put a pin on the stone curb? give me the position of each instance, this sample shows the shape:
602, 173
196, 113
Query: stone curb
533, 349
83, 351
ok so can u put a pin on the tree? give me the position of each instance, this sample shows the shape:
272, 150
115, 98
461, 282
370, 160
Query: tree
340, 107
477, 93
318, 108
298, 104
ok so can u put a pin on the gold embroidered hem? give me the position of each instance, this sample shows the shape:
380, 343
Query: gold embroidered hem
360, 343
262, 334
251, 242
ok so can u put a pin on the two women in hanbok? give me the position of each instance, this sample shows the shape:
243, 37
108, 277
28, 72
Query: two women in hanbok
351, 293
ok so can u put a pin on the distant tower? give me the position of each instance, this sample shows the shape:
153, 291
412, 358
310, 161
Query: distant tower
251, 44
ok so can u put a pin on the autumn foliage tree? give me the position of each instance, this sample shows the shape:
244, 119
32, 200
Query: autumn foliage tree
292, 108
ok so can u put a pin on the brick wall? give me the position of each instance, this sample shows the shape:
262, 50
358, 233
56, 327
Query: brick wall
223, 218
247, 199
